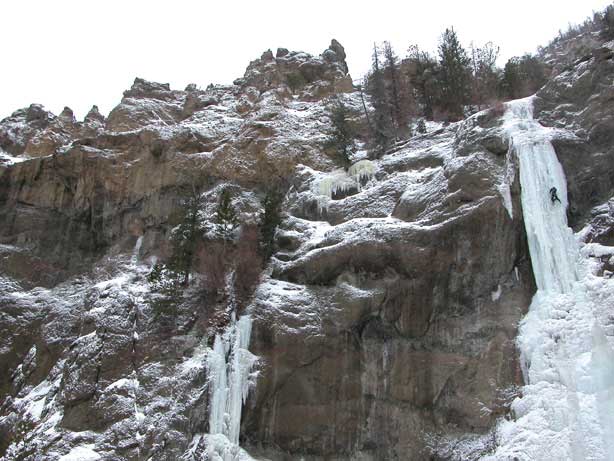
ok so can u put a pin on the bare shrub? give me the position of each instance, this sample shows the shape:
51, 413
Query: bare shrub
248, 263
213, 265
497, 108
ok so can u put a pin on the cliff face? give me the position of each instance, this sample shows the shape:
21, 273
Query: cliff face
384, 324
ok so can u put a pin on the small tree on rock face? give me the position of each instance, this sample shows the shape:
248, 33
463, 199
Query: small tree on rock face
169, 279
226, 218
248, 263
295, 81
421, 126
269, 220
342, 134
184, 238
213, 265
167, 285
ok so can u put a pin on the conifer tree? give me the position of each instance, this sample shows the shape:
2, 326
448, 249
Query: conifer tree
454, 75
423, 71
342, 134
168, 279
421, 127
608, 22
167, 285
392, 74
184, 239
522, 76
382, 130
269, 220
226, 218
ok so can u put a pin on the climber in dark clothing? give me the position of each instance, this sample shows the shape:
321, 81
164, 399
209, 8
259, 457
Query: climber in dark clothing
553, 196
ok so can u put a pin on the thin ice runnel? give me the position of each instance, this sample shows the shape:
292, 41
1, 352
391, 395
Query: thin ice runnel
567, 407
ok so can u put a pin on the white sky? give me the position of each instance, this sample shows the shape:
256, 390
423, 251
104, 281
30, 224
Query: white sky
81, 52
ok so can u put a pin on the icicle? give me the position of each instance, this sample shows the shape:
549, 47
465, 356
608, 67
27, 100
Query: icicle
362, 170
339, 181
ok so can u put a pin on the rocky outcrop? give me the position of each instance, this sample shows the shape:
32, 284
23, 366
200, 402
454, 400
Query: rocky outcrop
579, 102
17, 130
310, 78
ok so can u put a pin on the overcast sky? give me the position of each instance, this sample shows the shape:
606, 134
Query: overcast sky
81, 52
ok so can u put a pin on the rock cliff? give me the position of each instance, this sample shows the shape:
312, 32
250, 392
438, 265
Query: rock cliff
385, 322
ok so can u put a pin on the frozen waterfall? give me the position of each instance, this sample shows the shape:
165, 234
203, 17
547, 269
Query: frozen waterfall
229, 366
566, 411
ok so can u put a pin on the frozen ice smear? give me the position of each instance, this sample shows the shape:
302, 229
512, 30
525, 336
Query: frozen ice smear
566, 411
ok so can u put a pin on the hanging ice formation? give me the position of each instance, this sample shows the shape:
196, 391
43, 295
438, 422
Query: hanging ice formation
229, 367
566, 411
330, 184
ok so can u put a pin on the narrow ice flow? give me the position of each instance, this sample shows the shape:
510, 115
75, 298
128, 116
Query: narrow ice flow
135, 252
566, 411
229, 365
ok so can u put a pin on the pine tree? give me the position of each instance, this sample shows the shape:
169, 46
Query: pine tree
421, 127
607, 22
226, 218
511, 80
454, 75
167, 285
382, 129
522, 77
269, 220
168, 279
392, 74
184, 238
423, 71
342, 134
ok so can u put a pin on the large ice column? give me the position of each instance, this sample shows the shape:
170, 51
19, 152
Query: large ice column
566, 411
229, 365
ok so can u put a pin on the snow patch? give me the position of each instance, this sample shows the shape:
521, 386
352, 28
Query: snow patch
83, 453
495, 295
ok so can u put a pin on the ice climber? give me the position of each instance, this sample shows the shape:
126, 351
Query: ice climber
553, 196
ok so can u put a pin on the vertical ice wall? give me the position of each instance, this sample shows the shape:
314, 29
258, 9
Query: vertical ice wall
566, 408
229, 367
552, 245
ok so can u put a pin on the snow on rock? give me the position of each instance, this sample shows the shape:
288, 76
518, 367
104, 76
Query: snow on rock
6, 159
82, 453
